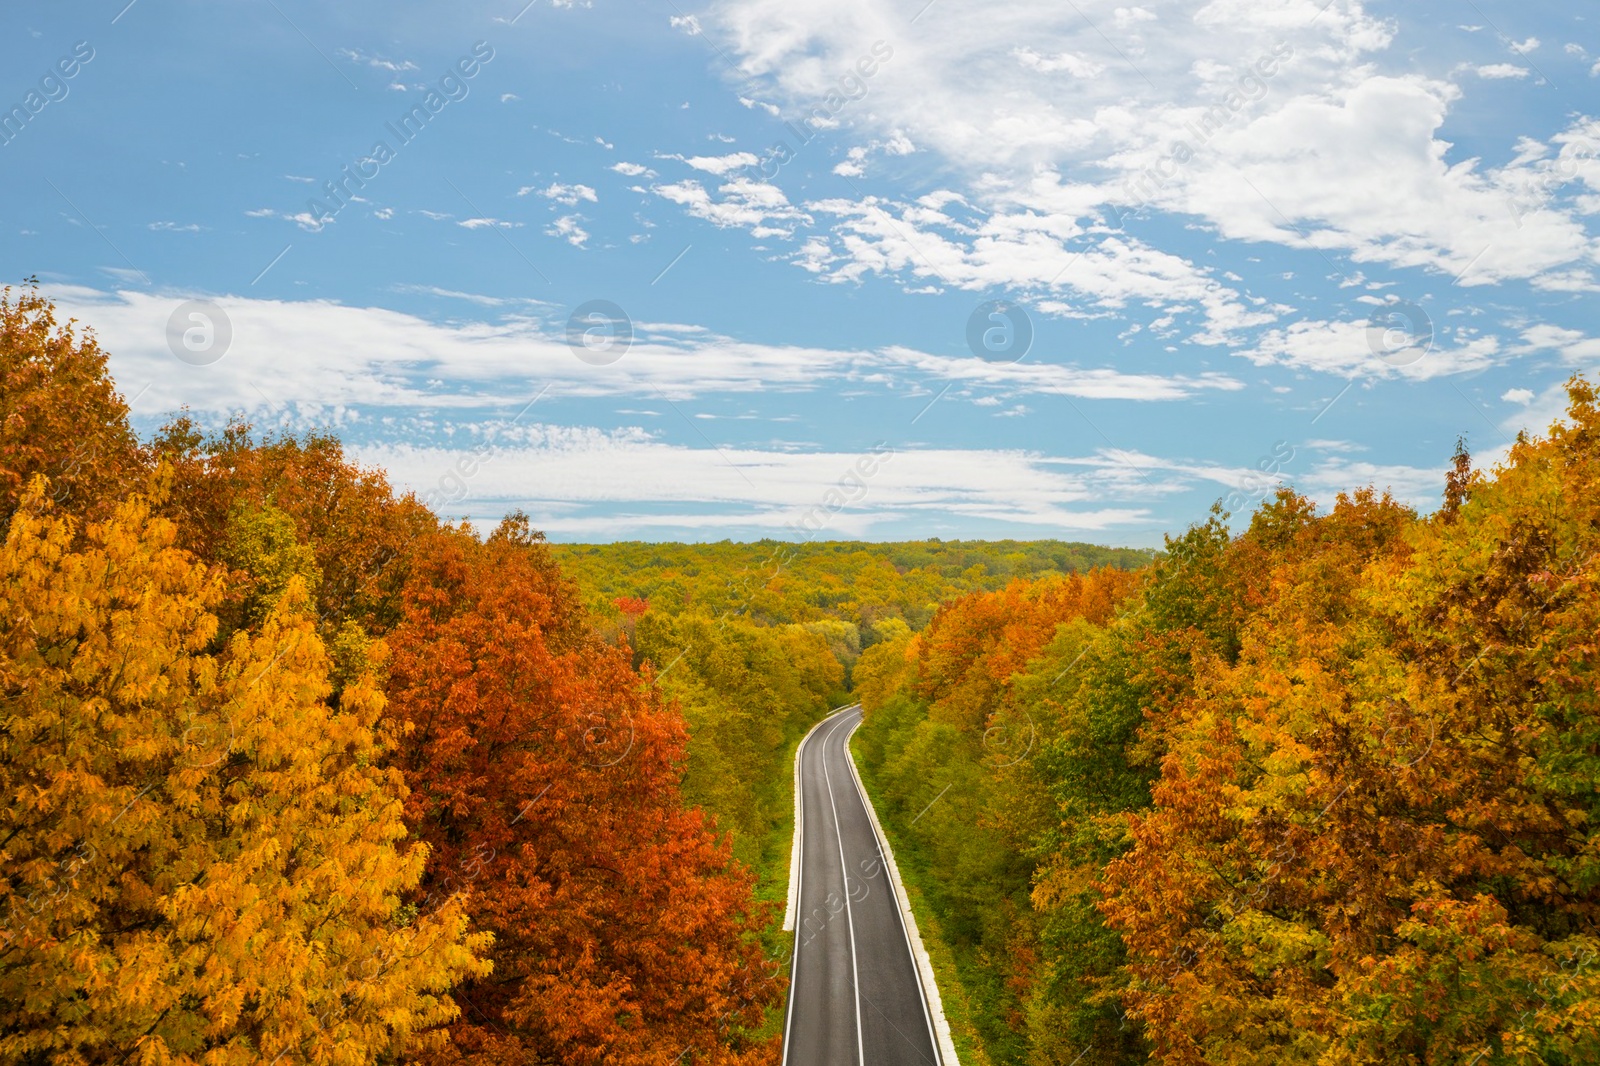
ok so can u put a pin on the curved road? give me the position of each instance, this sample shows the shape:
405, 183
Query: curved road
854, 994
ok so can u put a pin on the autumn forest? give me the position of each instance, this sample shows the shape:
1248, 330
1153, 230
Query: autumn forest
297, 770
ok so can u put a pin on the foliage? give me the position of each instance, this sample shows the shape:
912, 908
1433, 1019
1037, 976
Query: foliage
1324, 791
60, 415
240, 828
542, 764
948, 747
204, 859
747, 693
361, 537
293, 771
774, 583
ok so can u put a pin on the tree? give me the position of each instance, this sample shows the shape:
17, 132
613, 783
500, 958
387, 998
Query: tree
60, 414
1373, 836
544, 775
202, 856
881, 670
231, 494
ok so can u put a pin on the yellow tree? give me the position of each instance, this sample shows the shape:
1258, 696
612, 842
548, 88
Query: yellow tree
60, 415
1492, 796
202, 857
1374, 840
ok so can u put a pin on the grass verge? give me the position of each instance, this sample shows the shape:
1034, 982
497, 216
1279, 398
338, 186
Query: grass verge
960, 1009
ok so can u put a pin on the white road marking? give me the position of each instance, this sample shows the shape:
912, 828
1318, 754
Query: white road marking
855, 975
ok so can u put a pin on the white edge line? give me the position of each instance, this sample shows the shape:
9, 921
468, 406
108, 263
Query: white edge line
932, 1005
795, 851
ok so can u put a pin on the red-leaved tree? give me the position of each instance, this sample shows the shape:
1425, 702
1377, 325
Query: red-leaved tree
545, 777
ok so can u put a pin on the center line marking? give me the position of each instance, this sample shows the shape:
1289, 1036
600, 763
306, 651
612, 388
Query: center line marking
838, 832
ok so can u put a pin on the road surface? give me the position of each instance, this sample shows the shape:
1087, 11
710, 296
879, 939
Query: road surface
854, 995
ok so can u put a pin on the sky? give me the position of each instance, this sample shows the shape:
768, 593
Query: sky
881, 269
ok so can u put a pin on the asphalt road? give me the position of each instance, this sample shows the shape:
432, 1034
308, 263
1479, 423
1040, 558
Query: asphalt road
854, 994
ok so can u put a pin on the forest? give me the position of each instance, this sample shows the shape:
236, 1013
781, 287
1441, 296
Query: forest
1321, 791
295, 770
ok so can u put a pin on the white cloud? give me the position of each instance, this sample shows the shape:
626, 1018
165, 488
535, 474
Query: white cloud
484, 223
1075, 65
1572, 345
321, 356
687, 23
304, 219
856, 157
1353, 349
633, 170
759, 206
1335, 144
723, 164
563, 194
770, 109
1421, 487
1518, 396
454, 294
1338, 446
1366, 173
1028, 252
561, 474
852, 165
567, 228
355, 55
1501, 71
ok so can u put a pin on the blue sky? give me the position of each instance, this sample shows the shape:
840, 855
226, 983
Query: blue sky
1252, 242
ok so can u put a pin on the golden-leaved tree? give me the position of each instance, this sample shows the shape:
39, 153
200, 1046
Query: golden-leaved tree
1374, 837
204, 856
60, 414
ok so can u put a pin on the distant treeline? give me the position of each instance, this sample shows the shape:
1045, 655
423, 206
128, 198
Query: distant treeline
776, 582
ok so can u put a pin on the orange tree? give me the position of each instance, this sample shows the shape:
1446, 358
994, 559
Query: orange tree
545, 776
60, 414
